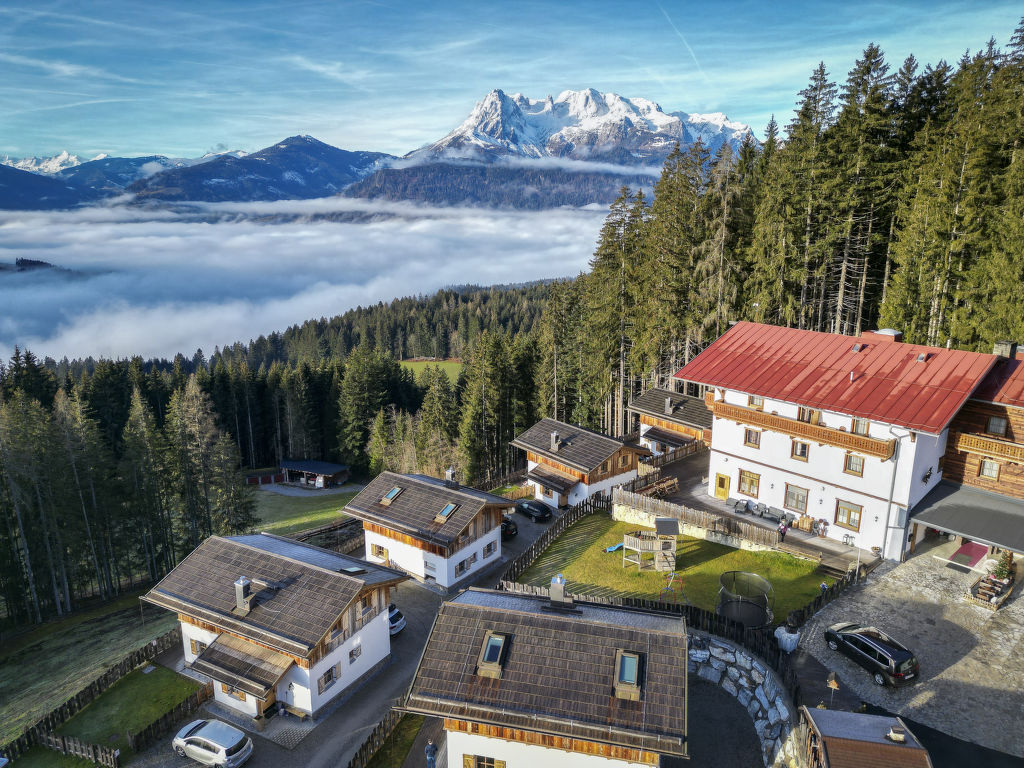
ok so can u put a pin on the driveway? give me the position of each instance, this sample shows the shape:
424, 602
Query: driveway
972, 659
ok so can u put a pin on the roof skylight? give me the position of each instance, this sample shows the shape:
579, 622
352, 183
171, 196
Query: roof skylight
492, 655
390, 496
445, 513
627, 675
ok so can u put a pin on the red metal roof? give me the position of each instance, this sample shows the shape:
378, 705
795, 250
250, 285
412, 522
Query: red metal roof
813, 369
1005, 384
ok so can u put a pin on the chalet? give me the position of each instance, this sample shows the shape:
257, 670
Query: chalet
851, 431
568, 464
271, 620
434, 530
837, 739
670, 420
521, 681
318, 474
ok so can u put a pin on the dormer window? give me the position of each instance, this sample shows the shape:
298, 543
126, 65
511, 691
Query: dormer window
443, 515
492, 655
390, 496
627, 675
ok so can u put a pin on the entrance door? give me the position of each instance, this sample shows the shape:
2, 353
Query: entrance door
721, 486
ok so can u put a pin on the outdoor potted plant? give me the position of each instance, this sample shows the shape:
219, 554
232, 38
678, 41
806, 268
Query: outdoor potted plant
822, 527
1003, 572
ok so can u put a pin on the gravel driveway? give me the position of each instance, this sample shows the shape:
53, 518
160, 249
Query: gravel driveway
972, 659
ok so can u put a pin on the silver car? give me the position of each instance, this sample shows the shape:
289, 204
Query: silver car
212, 742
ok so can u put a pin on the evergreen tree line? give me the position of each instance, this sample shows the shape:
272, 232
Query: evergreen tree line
894, 199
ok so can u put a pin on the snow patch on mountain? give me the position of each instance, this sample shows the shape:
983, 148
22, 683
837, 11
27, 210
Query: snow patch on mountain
48, 166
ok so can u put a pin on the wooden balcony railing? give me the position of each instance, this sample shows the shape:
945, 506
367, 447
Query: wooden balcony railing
868, 446
991, 447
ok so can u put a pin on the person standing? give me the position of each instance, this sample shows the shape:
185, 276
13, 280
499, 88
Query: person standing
431, 752
782, 530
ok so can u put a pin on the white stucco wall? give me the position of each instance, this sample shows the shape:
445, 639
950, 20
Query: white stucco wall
200, 635
518, 755
248, 706
477, 547
375, 642
417, 561
405, 556
580, 491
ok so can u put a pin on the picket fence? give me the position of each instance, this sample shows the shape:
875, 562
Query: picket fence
64, 712
167, 722
69, 745
376, 738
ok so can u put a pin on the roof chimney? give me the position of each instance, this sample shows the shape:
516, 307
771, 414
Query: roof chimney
449, 478
883, 335
555, 442
557, 591
243, 597
1005, 349
897, 734
668, 406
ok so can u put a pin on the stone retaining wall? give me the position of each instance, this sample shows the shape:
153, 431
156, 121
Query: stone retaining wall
626, 514
754, 685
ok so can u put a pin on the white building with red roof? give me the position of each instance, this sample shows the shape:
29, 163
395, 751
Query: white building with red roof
849, 430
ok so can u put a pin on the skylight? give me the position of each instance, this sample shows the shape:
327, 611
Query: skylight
629, 668
492, 649
627, 675
390, 496
443, 515
492, 655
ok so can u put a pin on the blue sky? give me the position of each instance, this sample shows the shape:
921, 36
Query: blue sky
182, 78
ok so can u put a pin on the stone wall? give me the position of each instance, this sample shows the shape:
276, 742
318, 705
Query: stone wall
626, 514
754, 685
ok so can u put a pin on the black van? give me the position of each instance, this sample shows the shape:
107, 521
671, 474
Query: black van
888, 661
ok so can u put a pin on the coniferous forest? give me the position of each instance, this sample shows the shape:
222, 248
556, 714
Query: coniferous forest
893, 197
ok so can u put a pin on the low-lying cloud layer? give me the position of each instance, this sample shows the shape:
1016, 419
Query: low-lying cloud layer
158, 282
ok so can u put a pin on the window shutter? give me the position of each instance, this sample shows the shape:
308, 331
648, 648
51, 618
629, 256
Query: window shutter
468, 761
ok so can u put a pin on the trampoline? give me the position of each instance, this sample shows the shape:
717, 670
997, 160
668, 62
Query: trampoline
746, 598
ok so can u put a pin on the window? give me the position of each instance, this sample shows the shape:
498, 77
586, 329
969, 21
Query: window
623, 461
355, 653
327, 679
492, 655
848, 515
379, 552
859, 426
490, 549
755, 402
752, 437
444, 514
800, 450
809, 415
365, 603
196, 646
796, 498
749, 483
234, 693
461, 567
428, 566
605, 467
478, 761
853, 465
989, 469
390, 496
627, 675
996, 426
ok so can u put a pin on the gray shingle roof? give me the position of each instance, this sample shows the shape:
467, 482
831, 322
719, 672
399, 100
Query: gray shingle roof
857, 740
558, 671
551, 479
301, 598
579, 448
686, 410
421, 499
243, 665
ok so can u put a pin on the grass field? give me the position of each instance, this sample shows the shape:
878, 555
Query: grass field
579, 555
43, 668
287, 514
451, 367
394, 750
130, 704
41, 757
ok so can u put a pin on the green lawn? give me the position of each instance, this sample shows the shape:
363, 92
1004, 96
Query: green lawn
451, 367
287, 514
41, 757
45, 667
394, 750
579, 555
130, 704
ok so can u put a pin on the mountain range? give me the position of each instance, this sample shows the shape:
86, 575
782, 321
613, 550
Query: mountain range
577, 148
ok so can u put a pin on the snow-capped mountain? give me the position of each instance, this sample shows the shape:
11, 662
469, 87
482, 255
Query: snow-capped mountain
48, 166
580, 125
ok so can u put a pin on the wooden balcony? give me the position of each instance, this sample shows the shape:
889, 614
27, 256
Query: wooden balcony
990, 447
862, 444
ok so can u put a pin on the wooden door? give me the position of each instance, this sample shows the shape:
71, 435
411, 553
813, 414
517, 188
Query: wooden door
721, 486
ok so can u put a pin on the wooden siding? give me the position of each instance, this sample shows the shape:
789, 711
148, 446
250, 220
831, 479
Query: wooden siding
868, 446
405, 538
548, 741
300, 660
632, 459
969, 444
695, 433
545, 461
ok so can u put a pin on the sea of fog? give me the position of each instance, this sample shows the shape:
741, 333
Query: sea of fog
160, 281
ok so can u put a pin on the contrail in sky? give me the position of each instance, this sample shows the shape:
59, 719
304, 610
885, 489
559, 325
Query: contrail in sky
676, 30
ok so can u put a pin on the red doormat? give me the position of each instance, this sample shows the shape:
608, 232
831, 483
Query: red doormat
970, 554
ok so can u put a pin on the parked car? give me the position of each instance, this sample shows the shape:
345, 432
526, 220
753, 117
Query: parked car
533, 509
509, 529
396, 621
889, 661
212, 742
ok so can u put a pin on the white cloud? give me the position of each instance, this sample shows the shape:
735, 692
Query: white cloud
155, 282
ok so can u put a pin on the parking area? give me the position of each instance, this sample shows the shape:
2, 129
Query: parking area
972, 660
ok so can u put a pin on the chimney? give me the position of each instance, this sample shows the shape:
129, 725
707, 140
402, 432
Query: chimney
896, 734
557, 591
243, 598
882, 335
449, 478
668, 406
555, 442
1006, 349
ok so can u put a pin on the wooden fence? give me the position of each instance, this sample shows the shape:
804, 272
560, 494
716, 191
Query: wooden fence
514, 477
166, 722
676, 454
376, 738
587, 507
702, 518
64, 712
69, 745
